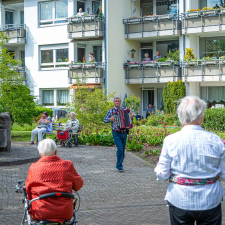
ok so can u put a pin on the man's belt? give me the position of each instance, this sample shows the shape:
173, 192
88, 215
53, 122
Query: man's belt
190, 182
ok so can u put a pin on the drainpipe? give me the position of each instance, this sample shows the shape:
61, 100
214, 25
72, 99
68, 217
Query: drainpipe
105, 41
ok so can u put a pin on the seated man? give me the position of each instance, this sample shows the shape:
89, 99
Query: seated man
51, 174
80, 13
44, 125
157, 56
73, 125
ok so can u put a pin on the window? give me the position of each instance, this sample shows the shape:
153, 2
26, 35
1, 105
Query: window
48, 97
80, 5
62, 97
213, 95
146, 7
8, 17
167, 7
212, 3
53, 12
22, 18
54, 57
95, 7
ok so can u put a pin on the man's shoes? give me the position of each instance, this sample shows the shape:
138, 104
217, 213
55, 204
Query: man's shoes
31, 143
120, 170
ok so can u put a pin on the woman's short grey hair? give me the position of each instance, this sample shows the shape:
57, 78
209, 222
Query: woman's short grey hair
190, 110
47, 147
72, 113
146, 54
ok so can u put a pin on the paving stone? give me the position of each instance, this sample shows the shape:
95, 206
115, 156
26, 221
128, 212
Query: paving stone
108, 197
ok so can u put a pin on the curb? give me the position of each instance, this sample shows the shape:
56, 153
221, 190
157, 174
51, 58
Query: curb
18, 162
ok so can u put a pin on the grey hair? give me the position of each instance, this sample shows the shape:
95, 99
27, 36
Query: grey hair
146, 54
116, 98
72, 113
47, 147
190, 109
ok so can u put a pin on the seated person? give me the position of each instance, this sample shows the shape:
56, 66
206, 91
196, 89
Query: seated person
44, 125
80, 13
147, 58
138, 117
157, 56
51, 174
73, 125
150, 110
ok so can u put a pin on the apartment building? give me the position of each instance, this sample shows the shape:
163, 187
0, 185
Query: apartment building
54, 41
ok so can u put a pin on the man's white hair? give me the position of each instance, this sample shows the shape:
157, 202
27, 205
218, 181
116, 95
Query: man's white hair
190, 110
47, 147
72, 113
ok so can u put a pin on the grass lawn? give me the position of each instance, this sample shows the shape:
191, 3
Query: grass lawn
25, 136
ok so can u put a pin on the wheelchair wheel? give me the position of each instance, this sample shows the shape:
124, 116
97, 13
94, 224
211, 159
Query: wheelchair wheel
69, 144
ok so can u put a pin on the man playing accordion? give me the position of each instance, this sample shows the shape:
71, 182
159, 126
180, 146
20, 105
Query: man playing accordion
119, 132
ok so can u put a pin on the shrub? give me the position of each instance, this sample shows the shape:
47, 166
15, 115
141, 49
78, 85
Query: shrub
172, 93
39, 110
214, 119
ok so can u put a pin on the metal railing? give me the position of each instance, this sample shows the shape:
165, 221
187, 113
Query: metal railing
202, 68
201, 17
157, 20
157, 66
98, 67
81, 21
14, 31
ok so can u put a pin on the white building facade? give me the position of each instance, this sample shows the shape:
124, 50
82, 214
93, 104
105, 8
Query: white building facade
54, 43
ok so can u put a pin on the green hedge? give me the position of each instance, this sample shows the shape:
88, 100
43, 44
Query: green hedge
214, 119
39, 110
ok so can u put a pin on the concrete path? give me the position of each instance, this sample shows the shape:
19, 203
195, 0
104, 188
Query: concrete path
107, 198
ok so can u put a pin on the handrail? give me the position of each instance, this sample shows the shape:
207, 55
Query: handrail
12, 27
87, 18
87, 65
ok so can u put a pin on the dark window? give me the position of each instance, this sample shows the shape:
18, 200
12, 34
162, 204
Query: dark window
97, 53
8, 17
80, 5
95, 7
144, 51
81, 54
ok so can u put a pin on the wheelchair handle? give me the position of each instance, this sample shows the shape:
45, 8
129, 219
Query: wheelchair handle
57, 194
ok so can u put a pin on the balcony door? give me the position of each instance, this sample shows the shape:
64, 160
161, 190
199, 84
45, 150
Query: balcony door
146, 7
81, 54
97, 50
81, 5
8, 17
167, 7
144, 51
95, 7
212, 3
148, 98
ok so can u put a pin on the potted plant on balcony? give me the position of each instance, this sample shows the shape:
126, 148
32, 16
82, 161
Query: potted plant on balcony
193, 13
210, 11
209, 60
132, 51
165, 61
189, 57
222, 10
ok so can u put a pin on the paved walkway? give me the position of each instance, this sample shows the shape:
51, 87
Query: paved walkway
107, 198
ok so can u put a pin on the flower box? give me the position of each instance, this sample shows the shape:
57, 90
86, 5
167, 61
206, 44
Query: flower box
210, 62
210, 12
193, 14
222, 10
165, 17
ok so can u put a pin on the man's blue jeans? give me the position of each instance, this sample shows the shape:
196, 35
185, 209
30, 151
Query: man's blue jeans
120, 141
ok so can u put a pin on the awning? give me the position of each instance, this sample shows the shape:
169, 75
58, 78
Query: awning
90, 86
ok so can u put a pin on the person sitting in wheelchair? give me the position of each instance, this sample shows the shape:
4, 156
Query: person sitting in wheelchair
52, 174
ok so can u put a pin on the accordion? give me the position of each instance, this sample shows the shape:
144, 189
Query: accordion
122, 120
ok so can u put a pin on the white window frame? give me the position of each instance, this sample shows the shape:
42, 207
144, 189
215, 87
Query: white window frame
55, 96
53, 20
54, 64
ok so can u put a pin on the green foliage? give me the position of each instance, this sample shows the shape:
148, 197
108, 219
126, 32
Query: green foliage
25, 127
172, 93
175, 55
91, 106
214, 119
39, 110
163, 59
133, 102
16, 100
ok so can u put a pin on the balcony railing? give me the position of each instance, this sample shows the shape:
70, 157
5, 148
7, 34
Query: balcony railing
203, 21
152, 26
81, 27
152, 72
16, 33
204, 70
87, 72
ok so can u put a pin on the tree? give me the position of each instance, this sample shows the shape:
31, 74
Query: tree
91, 106
133, 102
15, 97
172, 93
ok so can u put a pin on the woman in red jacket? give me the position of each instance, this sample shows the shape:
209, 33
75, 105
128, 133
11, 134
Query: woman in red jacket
52, 174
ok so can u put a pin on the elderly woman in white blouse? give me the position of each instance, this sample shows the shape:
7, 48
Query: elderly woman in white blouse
194, 162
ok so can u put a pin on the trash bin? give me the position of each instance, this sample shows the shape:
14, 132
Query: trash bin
5, 132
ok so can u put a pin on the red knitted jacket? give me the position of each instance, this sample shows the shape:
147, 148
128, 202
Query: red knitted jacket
52, 174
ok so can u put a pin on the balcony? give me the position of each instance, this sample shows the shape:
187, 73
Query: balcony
86, 27
91, 73
203, 21
152, 72
152, 26
204, 70
16, 33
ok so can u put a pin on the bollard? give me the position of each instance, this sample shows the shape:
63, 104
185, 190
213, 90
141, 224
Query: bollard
5, 132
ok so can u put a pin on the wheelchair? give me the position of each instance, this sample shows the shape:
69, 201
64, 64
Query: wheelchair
20, 188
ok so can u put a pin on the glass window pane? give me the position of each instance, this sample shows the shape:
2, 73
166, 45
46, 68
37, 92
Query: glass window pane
22, 18
46, 10
211, 3
215, 47
166, 7
62, 55
48, 97
95, 6
8, 17
61, 9
80, 5
47, 56
62, 97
